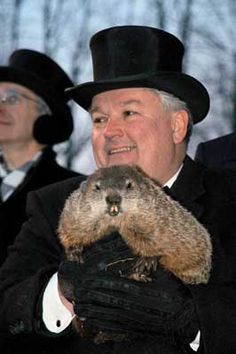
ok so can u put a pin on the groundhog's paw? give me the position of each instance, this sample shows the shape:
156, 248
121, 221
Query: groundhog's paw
199, 276
74, 254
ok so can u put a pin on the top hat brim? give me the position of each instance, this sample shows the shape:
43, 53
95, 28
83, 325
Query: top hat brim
58, 107
183, 86
33, 83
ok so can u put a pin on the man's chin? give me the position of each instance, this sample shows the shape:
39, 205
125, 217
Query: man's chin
116, 162
122, 159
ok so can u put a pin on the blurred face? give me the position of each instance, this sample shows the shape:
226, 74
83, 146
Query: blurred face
17, 116
130, 126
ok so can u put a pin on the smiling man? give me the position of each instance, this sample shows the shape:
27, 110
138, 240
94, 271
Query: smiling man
143, 108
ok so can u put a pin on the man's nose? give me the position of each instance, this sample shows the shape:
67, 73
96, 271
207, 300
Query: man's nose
114, 128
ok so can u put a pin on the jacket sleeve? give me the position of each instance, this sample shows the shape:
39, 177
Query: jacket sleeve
216, 301
32, 260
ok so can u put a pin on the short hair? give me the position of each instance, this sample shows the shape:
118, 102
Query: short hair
42, 106
172, 103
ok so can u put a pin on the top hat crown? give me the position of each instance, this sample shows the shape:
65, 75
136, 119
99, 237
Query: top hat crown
132, 50
140, 56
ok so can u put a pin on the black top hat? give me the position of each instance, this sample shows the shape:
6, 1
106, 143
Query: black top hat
140, 56
47, 79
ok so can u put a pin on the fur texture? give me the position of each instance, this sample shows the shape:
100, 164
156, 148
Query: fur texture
156, 228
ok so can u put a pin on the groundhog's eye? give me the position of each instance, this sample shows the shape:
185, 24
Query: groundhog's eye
97, 187
129, 185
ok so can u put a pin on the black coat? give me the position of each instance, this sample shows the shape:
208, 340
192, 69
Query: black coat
12, 211
210, 195
218, 153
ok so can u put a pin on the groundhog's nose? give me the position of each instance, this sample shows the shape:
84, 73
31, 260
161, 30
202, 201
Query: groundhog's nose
113, 203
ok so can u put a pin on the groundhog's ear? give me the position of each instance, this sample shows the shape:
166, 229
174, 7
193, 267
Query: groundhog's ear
82, 186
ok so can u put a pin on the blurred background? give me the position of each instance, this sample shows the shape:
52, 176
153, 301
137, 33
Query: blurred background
62, 29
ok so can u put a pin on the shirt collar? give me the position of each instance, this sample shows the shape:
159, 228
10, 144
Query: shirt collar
171, 181
4, 170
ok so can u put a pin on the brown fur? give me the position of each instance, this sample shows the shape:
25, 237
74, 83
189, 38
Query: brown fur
155, 227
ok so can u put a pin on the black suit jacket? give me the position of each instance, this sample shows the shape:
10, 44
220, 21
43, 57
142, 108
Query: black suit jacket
36, 254
218, 153
12, 211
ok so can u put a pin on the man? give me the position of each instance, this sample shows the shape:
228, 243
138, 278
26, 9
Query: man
142, 107
34, 115
218, 153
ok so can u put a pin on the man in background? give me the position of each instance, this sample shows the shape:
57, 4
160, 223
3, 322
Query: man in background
34, 115
218, 153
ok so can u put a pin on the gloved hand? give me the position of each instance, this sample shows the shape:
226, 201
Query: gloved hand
111, 303
109, 250
163, 307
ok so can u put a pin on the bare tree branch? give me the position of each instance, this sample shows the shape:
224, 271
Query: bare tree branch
15, 23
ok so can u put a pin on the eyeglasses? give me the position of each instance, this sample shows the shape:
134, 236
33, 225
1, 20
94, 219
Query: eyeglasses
12, 98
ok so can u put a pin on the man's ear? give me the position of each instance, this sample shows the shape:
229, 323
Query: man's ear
179, 124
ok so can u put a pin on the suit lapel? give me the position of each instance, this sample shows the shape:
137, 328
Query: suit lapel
188, 188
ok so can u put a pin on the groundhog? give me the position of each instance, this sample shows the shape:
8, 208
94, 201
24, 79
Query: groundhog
155, 227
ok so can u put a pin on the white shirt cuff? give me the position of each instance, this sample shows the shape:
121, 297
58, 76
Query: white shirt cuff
56, 316
195, 344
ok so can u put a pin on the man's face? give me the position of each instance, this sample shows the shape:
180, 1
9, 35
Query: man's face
131, 127
17, 120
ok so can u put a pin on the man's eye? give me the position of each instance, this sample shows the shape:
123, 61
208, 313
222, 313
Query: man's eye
129, 113
13, 98
98, 120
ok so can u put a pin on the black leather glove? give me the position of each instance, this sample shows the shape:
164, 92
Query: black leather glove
163, 307
109, 250
110, 303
